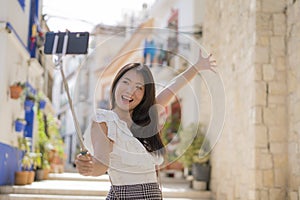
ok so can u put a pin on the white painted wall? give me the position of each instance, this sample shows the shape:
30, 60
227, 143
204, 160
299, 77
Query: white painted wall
11, 11
191, 13
15, 65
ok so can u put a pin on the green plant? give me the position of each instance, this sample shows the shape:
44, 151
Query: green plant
42, 141
26, 162
20, 84
56, 141
191, 147
169, 133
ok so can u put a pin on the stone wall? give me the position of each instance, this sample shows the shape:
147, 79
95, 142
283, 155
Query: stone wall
229, 33
271, 129
257, 47
293, 98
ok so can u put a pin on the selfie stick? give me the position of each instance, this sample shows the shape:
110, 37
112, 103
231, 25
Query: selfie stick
59, 63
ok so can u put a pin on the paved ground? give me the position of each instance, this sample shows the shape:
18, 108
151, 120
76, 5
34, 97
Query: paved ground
74, 186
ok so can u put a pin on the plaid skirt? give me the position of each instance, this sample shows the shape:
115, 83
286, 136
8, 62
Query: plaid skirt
146, 191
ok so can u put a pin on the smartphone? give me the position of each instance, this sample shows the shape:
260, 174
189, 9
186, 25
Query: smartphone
77, 42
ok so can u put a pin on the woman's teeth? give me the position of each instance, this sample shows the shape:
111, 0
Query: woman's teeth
127, 98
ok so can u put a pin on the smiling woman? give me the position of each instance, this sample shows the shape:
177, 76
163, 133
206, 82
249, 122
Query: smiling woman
84, 15
125, 140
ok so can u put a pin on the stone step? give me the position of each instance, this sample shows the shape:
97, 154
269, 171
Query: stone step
76, 186
93, 188
78, 177
64, 197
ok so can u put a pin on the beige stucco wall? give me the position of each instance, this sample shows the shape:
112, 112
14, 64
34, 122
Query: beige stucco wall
257, 46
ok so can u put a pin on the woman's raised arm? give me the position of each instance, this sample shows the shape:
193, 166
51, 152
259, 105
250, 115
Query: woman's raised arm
183, 78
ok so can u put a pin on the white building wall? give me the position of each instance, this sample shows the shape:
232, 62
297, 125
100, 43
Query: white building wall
190, 18
11, 11
15, 65
12, 69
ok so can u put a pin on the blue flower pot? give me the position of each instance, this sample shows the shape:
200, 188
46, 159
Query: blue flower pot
42, 104
19, 126
28, 104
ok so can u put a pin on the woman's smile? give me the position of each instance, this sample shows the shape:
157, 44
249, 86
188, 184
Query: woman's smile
129, 90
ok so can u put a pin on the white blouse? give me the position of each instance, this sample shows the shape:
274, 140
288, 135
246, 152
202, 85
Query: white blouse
129, 162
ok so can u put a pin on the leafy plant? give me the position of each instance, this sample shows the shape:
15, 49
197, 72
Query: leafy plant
191, 141
20, 84
55, 137
26, 161
42, 141
169, 132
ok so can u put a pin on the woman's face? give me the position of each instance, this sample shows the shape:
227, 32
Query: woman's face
129, 90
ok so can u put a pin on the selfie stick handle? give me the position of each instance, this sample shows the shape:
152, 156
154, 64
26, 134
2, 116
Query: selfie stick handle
83, 150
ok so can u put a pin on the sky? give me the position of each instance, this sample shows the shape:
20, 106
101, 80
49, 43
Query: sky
83, 15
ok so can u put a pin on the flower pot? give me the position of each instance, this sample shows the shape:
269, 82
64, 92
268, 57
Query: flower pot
30, 177
15, 91
19, 126
201, 172
21, 178
42, 104
46, 174
39, 174
28, 104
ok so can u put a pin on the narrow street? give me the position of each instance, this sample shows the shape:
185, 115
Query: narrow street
75, 186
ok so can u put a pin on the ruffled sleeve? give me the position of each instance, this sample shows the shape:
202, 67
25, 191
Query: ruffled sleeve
109, 118
100, 116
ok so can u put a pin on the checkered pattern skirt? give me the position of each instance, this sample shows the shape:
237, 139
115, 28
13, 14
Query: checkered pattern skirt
146, 191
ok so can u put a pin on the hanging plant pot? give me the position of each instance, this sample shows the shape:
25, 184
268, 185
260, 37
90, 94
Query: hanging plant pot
15, 91
28, 105
42, 104
19, 125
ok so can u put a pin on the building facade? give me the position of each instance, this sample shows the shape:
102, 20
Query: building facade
22, 60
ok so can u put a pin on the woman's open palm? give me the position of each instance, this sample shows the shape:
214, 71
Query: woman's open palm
205, 63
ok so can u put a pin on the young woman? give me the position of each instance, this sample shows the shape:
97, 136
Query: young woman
125, 140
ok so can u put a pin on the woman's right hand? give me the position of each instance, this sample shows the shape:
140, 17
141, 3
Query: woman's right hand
84, 164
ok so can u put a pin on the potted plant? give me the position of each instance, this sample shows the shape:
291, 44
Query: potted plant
31, 173
170, 138
23, 176
38, 167
193, 150
16, 90
20, 124
42, 104
29, 102
56, 155
41, 100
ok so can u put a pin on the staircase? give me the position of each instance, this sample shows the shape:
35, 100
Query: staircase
69, 186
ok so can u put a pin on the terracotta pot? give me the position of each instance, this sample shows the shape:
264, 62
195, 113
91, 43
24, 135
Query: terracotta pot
46, 174
30, 177
21, 177
175, 165
15, 91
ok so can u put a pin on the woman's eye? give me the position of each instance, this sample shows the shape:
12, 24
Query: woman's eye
125, 82
139, 87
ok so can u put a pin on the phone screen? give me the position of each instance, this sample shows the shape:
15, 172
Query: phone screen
77, 42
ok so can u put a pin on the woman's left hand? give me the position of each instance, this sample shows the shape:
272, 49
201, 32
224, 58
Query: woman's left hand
205, 63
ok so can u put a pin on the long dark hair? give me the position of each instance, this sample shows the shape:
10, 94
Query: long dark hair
145, 115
